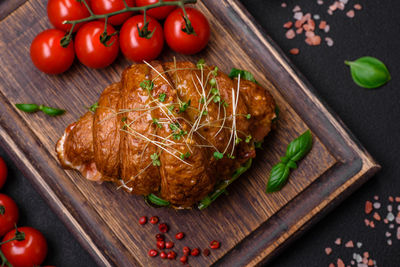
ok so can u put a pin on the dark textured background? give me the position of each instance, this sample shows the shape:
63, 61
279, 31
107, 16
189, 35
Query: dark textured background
372, 115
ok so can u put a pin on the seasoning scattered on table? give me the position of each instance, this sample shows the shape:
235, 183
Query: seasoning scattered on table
313, 26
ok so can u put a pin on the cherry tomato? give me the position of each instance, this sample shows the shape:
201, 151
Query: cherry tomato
47, 53
158, 12
181, 41
8, 214
138, 48
90, 51
108, 6
60, 10
26, 253
3, 172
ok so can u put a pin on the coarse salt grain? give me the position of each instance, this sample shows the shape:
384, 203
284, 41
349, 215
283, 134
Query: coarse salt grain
366, 221
368, 207
366, 254
283, 5
329, 41
370, 262
359, 244
376, 197
338, 241
310, 34
298, 15
372, 224
377, 216
385, 221
316, 17
390, 217
340, 263
350, 13
398, 233
290, 34
389, 207
327, 28
344, 1
365, 261
357, 7
349, 244
397, 199
391, 226
330, 12
288, 25
328, 251
331, 265
377, 205
389, 242
398, 219
352, 262
294, 51
296, 8
391, 199
388, 234
320, 2
299, 30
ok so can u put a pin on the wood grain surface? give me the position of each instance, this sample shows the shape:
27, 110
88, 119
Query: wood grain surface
251, 225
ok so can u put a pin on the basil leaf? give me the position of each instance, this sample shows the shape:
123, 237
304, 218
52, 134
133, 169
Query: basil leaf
30, 108
244, 74
51, 111
157, 200
369, 72
221, 187
299, 147
278, 177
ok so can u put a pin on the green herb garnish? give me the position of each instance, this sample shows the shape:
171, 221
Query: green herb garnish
93, 107
156, 200
244, 74
218, 155
296, 150
184, 105
155, 159
31, 108
185, 155
369, 72
200, 64
161, 97
221, 187
147, 85
156, 123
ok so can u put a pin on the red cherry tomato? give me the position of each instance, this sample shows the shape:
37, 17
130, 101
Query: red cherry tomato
181, 41
60, 10
3, 172
158, 12
47, 53
138, 48
108, 6
8, 214
26, 253
90, 51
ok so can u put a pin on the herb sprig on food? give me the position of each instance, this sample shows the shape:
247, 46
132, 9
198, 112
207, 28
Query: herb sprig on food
296, 150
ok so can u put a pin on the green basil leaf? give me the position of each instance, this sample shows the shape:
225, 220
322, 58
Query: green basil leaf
299, 147
221, 187
278, 177
157, 200
30, 108
51, 111
369, 72
244, 74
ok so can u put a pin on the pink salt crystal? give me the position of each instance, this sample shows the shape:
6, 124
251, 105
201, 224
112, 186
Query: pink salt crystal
331, 265
398, 233
365, 260
357, 7
372, 224
377, 216
296, 9
329, 41
327, 28
340, 6
370, 262
333, 7
328, 251
310, 34
338, 241
349, 244
340, 263
389, 242
299, 30
397, 199
313, 41
366, 222
350, 13
368, 207
283, 5
288, 25
386, 221
376, 197
290, 34
391, 199
320, 2
330, 12
366, 254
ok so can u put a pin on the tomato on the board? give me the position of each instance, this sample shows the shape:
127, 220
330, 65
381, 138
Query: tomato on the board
9, 214
59, 11
3, 172
108, 6
138, 48
90, 51
48, 55
180, 38
158, 12
28, 252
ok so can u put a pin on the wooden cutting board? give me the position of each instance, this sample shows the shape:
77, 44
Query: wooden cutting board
251, 225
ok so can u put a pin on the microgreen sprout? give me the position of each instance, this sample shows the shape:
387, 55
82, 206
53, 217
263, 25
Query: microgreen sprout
155, 159
161, 97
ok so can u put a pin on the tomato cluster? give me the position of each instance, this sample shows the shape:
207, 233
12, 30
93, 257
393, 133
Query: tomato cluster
138, 39
31, 249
